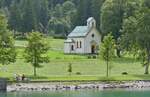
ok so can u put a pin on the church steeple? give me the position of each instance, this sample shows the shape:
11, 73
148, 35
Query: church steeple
91, 22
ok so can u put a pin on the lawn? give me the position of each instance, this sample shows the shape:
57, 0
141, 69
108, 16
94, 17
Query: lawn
83, 68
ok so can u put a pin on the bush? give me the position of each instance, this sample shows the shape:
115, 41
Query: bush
124, 73
89, 57
94, 57
78, 73
57, 58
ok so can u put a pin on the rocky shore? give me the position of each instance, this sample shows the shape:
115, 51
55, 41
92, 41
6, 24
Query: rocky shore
89, 85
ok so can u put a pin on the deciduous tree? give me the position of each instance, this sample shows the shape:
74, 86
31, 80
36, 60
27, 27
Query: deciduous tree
35, 52
7, 48
107, 51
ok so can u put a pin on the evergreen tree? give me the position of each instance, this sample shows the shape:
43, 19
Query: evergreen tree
147, 3
15, 16
28, 16
84, 12
44, 16
61, 19
36, 13
5, 3
95, 10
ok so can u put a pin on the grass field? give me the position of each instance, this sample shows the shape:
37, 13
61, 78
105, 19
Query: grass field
89, 69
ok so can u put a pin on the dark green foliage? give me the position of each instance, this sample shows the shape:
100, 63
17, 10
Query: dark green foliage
54, 17
15, 18
4, 3
112, 17
137, 33
44, 17
27, 15
28, 19
62, 16
95, 10
84, 12
147, 3
113, 14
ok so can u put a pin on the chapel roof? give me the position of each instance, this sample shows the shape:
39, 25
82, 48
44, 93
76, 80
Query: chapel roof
79, 31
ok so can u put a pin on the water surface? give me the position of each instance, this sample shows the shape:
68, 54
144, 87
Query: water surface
91, 93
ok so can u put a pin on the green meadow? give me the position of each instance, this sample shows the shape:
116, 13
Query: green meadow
84, 68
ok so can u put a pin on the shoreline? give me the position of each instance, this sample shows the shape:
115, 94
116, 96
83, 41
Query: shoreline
61, 86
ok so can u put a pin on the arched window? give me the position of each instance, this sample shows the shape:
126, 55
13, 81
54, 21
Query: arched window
80, 44
93, 24
77, 44
72, 47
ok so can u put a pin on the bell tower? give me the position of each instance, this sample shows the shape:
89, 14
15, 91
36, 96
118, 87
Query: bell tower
91, 22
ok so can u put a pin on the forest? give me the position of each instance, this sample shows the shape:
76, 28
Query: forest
53, 17
59, 17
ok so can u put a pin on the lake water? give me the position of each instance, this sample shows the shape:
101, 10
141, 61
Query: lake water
92, 93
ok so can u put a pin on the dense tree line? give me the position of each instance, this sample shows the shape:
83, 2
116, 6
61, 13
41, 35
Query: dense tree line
54, 17
136, 32
129, 23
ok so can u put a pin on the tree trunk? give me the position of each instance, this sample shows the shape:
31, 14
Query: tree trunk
34, 71
107, 69
118, 52
107, 60
148, 62
146, 69
69, 73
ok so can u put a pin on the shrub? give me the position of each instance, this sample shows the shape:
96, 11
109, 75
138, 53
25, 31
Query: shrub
78, 73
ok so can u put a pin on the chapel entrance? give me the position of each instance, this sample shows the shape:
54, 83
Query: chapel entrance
93, 49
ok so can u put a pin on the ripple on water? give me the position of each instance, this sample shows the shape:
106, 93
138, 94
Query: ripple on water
82, 93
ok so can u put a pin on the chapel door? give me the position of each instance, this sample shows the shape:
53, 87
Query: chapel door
93, 49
